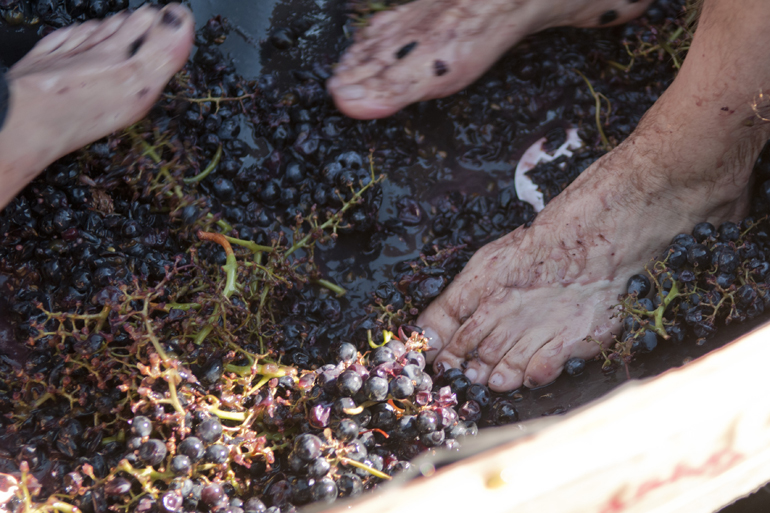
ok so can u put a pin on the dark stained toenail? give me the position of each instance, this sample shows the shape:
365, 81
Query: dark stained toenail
440, 68
608, 17
171, 19
135, 46
406, 49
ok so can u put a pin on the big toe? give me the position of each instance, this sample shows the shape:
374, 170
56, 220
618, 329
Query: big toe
357, 101
167, 44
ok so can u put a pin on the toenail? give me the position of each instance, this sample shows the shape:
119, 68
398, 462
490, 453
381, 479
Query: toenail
471, 374
496, 380
135, 46
608, 17
406, 49
434, 341
171, 19
351, 92
440, 68
530, 383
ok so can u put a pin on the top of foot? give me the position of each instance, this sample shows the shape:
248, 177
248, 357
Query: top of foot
432, 48
83, 82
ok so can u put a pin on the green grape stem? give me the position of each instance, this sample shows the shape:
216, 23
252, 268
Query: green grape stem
206, 172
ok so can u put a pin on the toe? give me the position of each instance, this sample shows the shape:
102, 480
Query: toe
548, 362
492, 349
77, 37
167, 45
509, 374
463, 345
133, 31
445, 314
51, 42
106, 29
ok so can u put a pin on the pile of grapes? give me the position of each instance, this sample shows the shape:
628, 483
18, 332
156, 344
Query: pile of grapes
184, 351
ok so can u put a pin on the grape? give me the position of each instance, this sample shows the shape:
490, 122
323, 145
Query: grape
396, 347
638, 285
346, 430
729, 232
406, 428
171, 502
319, 467
480, 394
254, 505
382, 355
192, 447
141, 426
383, 416
324, 490
153, 452
307, 447
684, 239
376, 388
646, 342
133, 443
217, 453
415, 358
401, 387
704, 231
503, 412
346, 352
356, 451
575, 366
698, 255
349, 485
677, 256
349, 383
181, 465
212, 494
427, 421
470, 411
209, 431
433, 438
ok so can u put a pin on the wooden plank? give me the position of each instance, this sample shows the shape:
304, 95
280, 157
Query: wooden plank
691, 440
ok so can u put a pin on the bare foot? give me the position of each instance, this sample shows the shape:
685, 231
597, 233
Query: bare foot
433, 48
526, 303
83, 82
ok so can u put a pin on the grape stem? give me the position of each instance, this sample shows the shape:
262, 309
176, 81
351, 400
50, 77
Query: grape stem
339, 291
598, 99
363, 466
672, 294
231, 266
206, 172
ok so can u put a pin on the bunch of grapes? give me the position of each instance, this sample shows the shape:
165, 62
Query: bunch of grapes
709, 276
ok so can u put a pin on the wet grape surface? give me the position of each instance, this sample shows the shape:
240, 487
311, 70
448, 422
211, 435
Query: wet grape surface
149, 363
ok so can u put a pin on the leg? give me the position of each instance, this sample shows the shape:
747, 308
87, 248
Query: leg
83, 82
526, 303
433, 48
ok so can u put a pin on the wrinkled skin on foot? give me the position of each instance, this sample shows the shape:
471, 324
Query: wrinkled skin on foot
85, 81
433, 48
526, 303
531, 300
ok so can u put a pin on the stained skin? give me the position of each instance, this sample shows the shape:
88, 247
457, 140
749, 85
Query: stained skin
531, 300
85, 81
432, 48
